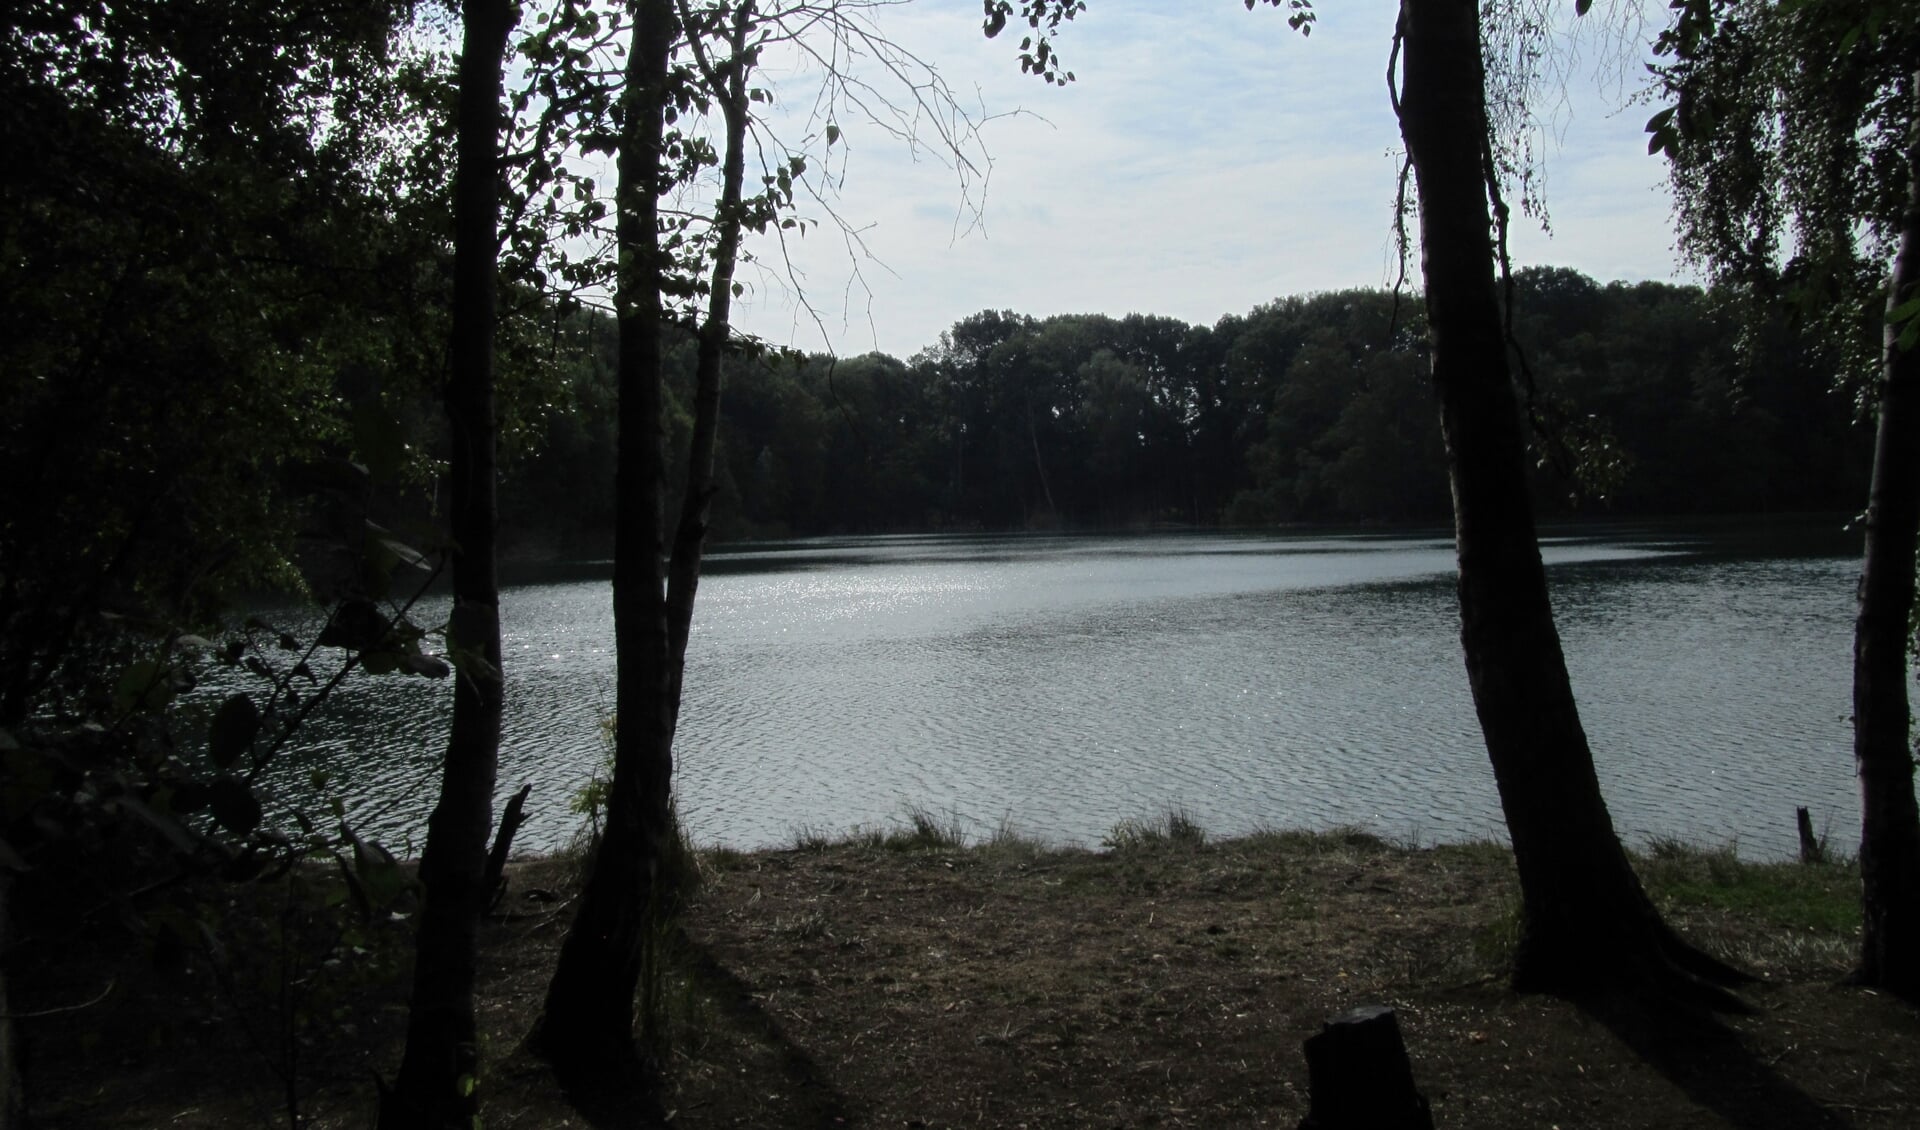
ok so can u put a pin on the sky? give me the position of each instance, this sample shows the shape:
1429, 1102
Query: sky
1206, 159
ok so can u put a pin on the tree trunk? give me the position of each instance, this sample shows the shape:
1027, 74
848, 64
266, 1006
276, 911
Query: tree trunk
13, 1099
587, 1025
1882, 725
440, 1069
683, 581
1586, 924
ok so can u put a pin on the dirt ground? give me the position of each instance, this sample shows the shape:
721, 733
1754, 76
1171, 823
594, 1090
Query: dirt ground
1165, 985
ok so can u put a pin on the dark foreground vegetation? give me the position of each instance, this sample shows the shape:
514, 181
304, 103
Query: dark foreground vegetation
292, 293
900, 979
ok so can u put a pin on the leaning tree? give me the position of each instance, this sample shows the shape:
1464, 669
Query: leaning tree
1586, 924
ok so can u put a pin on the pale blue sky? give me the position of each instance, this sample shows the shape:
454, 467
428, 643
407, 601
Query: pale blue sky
1207, 159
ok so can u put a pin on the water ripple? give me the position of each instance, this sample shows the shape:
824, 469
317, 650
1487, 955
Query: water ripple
1063, 684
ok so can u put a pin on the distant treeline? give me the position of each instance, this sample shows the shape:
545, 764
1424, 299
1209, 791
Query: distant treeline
1311, 408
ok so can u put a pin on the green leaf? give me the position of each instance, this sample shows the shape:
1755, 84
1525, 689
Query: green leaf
234, 806
380, 662
382, 880
833, 133
147, 684
432, 666
234, 727
404, 553
996, 20
356, 625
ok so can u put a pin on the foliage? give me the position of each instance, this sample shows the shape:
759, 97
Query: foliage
294, 960
589, 801
223, 285
1312, 408
1785, 136
1038, 56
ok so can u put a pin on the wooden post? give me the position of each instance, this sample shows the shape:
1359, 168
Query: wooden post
1359, 1078
1811, 850
495, 883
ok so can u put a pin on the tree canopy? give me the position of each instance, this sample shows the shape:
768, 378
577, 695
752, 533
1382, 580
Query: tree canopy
1307, 408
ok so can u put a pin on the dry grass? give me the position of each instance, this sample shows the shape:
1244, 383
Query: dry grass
902, 978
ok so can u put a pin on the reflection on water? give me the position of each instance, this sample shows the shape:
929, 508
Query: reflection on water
1061, 684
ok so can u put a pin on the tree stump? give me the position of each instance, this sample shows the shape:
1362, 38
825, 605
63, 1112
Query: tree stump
494, 884
1811, 849
1359, 1078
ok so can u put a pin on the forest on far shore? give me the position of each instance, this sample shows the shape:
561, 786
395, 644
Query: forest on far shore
1312, 408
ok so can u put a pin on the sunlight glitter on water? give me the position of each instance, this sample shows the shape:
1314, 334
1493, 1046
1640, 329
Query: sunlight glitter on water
1063, 684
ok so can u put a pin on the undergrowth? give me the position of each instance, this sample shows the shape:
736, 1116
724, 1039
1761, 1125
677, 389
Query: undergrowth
1823, 897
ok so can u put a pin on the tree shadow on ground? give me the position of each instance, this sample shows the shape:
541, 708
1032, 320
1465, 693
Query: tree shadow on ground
625, 1096
1697, 1052
818, 1101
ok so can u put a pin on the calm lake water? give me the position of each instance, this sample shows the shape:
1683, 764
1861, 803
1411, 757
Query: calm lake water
1059, 684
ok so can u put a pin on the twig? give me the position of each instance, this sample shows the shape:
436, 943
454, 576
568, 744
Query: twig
62, 1009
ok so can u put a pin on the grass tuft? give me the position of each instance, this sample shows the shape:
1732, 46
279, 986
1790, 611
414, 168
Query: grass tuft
1172, 828
1496, 940
926, 832
1007, 845
1483, 851
1340, 838
723, 859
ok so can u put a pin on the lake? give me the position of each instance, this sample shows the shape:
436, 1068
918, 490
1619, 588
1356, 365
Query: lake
1056, 685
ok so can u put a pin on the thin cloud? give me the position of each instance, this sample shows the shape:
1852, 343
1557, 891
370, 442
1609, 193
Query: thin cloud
1207, 159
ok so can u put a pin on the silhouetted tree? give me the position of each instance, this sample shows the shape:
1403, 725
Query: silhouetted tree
438, 1083
1794, 146
1586, 924
587, 1022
